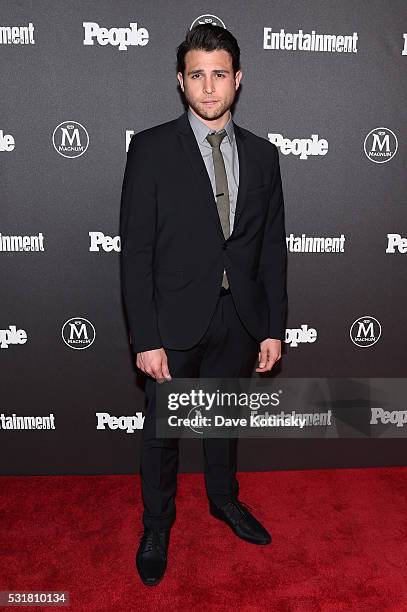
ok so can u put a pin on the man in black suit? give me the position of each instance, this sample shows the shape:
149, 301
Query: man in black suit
203, 273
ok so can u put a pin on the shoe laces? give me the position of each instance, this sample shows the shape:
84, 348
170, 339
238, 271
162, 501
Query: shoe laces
236, 503
152, 539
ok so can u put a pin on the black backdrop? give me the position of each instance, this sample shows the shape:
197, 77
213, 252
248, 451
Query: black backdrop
68, 110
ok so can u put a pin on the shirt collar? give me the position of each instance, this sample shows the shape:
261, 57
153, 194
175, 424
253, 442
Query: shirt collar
201, 130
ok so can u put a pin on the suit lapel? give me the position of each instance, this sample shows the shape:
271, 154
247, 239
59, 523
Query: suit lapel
243, 162
204, 186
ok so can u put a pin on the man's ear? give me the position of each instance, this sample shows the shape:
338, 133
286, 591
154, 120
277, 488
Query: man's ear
180, 80
238, 78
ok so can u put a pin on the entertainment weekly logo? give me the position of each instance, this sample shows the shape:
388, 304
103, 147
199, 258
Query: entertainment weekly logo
27, 422
315, 244
122, 38
300, 147
7, 142
300, 41
17, 35
11, 244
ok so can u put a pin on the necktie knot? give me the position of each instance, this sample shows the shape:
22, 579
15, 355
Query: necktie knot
215, 139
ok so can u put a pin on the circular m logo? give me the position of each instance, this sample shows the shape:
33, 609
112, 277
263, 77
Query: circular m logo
213, 19
365, 331
70, 139
78, 333
380, 145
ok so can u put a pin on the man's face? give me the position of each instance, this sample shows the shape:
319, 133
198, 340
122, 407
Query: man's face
208, 83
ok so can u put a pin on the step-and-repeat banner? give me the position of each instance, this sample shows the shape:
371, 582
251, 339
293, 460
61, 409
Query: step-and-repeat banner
326, 83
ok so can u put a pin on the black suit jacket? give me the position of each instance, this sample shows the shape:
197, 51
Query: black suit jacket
173, 251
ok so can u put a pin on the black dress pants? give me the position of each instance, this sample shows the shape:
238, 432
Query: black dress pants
225, 350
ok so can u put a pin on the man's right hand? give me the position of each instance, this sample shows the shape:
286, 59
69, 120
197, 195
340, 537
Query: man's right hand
154, 363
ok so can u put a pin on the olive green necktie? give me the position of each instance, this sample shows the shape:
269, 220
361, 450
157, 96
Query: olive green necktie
222, 191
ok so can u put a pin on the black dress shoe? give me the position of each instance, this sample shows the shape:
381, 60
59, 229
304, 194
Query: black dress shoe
151, 558
236, 514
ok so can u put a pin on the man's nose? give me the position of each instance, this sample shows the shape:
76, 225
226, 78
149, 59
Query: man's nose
208, 85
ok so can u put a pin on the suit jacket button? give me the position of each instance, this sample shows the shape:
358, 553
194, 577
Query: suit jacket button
224, 246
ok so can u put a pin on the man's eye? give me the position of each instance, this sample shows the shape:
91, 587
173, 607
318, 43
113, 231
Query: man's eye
217, 74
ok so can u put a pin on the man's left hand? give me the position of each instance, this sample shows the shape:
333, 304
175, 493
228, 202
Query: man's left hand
270, 352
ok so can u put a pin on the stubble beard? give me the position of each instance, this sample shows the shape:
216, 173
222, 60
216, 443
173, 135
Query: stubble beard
209, 113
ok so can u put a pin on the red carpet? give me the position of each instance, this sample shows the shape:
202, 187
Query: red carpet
339, 543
